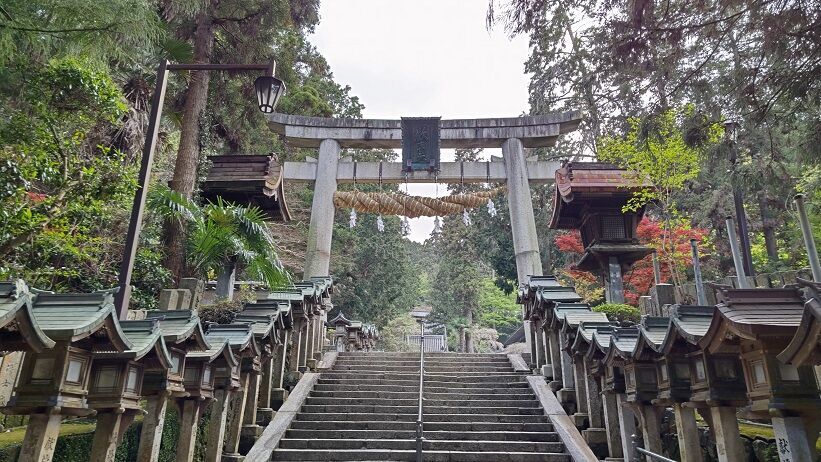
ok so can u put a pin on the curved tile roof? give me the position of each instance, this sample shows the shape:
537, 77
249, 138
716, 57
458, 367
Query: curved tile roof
804, 347
180, 326
16, 310
145, 337
73, 317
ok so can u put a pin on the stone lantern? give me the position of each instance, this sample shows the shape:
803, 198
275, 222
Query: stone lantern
757, 324
297, 357
566, 319
640, 386
547, 297
340, 324
117, 381
597, 349
595, 434
263, 329
280, 311
55, 382
182, 333
215, 369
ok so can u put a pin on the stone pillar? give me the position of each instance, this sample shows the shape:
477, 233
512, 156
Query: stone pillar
216, 427
567, 395
725, 429
627, 424
106, 433
303, 346
250, 430
555, 356
611, 425
579, 377
189, 418
310, 343
278, 393
264, 411
41, 438
536, 327
688, 440
320, 231
615, 285
296, 343
791, 439
650, 427
530, 342
153, 424
236, 416
547, 368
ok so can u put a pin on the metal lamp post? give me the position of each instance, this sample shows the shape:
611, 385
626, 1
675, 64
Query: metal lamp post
269, 90
731, 128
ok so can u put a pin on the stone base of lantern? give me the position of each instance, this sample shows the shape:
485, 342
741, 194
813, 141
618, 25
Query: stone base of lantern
555, 385
613, 459
232, 458
278, 396
580, 420
311, 363
248, 436
547, 371
596, 438
264, 416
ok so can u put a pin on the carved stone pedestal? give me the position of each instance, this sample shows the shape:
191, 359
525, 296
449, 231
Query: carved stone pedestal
264, 416
278, 396
248, 436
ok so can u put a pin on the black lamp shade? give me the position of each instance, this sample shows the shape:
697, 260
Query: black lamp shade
269, 89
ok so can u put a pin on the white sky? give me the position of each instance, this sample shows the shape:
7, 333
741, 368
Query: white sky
420, 58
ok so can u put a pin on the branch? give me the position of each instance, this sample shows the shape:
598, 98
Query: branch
59, 31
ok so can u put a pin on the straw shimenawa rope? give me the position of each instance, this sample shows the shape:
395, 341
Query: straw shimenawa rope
411, 206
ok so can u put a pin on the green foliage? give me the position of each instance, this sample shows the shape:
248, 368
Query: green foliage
656, 149
619, 312
222, 233
498, 309
392, 336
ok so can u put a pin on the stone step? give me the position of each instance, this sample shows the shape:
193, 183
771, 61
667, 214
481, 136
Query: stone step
412, 407
415, 369
415, 364
361, 425
336, 385
429, 383
430, 427
391, 416
429, 445
368, 455
429, 375
465, 401
510, 394
347, 433
415, 354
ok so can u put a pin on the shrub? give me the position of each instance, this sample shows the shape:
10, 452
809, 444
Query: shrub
619, 312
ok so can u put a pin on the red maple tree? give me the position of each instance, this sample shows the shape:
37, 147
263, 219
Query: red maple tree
672, 247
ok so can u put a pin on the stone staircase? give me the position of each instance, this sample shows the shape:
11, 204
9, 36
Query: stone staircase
476, 409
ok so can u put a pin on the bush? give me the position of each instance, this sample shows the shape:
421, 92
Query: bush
619, 312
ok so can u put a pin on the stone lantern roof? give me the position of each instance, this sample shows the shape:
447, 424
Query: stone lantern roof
339, 320
18, 328
146, 338
180, 327
804, 347
75, 317
652, 331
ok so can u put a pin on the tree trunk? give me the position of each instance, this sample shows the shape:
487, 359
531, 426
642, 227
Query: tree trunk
462, 339
185, 168
768, 225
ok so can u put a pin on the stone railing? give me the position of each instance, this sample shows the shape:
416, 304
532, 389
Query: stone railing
751, 354
74, 357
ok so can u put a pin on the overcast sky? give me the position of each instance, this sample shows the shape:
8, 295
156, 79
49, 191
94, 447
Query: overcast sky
418, 58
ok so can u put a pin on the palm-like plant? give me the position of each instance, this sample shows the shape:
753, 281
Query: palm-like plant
222, 237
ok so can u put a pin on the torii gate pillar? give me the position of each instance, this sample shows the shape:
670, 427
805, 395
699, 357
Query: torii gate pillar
320, 232
522, 219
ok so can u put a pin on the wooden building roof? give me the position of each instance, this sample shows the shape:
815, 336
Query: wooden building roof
804, 347
18, 329
249, 180
578, 184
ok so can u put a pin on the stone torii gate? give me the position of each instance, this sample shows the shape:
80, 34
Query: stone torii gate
512, 134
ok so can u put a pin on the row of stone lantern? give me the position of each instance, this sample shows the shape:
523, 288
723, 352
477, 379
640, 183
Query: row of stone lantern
751, 354
352, 335
81, 360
